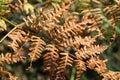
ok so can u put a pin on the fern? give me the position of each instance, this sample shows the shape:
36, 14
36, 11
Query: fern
63, 38
36, 47
64, 61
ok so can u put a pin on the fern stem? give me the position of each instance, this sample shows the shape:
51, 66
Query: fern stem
19, 25
73, 74
13, 24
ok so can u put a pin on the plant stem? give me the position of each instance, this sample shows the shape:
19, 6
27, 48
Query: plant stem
19, 25
73, 74
13, 24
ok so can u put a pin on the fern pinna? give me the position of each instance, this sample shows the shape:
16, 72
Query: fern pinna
63, 37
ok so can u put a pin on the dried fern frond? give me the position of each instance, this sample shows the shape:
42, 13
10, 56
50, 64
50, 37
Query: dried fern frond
96, 64
63, 38
51, 48
65, 60
111, 75
33, 23
87, 52
92, 19
112, 13
19, 38
80, 68
78, 41
5, 73
36, 47
17, 7
50, 59
22, 7
9, 58
50, 63
47, 19
70, 28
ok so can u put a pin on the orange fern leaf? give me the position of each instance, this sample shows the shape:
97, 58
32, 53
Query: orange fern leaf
36, 47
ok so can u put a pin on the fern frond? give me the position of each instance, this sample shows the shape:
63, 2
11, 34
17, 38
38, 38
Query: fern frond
87, 52
36, 47
5, 73
17, 7
112, 13
51, 48
18, 37
111, 75
50, 63
69, 29
47, 19
96, 64
50, 59
80, 68
9, 58
33, 23
78, 41
65, 60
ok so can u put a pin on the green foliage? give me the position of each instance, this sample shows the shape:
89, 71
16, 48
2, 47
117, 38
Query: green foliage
117, 27
40, 1
4, 7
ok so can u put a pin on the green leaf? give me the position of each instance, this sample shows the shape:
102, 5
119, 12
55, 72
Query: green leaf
73, 74
40, 1
58, 1
117, 27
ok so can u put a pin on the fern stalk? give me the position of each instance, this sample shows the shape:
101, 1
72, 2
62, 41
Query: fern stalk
73, 74
13, 24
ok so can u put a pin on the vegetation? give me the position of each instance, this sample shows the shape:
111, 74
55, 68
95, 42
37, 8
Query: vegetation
59, 39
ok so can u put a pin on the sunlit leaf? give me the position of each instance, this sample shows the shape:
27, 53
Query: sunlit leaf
28, 8
39, 1
56, 0
3, 25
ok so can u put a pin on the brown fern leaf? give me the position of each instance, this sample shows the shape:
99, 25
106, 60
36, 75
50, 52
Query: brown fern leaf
80, 68
5, 73
50, 63
50, 60
17, 7
57, 11
97, 65
70, 28
112, 13
87, 52
64, 61
111, 75
37, 23
18, 37
34, 23
51, 48
90, 22
47, 18
36, 47
78, 41
9, 58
